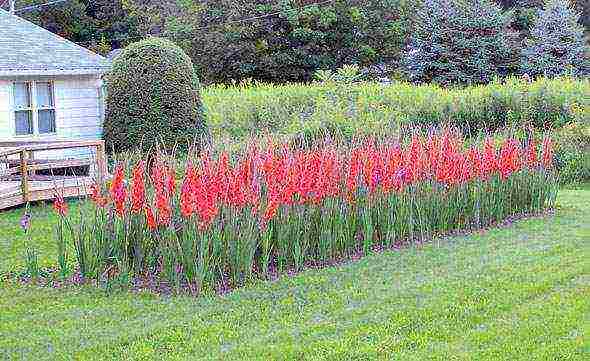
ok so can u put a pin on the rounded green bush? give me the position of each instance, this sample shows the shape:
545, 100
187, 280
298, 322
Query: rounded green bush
153, 98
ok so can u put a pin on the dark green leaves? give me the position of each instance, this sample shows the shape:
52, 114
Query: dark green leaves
152, 98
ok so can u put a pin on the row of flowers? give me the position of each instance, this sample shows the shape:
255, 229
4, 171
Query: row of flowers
226, 219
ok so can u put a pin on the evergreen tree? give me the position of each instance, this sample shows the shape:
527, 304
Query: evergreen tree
460, 41
523, 9
557, 44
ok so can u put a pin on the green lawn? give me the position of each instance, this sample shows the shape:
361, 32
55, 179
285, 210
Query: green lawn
521, 292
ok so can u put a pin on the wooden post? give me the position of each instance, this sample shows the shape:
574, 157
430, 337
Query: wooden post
24, 173
101, 163
31, 158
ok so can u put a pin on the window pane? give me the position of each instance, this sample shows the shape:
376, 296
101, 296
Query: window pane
22, 95
24, 122
44, 95
46, 121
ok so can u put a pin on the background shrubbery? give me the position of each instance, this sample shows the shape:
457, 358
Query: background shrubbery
350, 109
573, 152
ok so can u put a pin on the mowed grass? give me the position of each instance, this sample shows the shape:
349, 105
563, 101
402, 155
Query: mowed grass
13, 240
518, 292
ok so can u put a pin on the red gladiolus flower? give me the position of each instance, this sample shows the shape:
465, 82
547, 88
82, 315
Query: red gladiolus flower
252, 178
509, 161
187, 197
415, 161
308, 166
150, 219
171, 181
240, 183
158, 176
447, 168
476, 162
547, 156
163, 181
206, 207
95, 193
433, 153
399, 180
200, 192
333, 172
118, 190
222, 177
354, 172
164, 210
373, 170
271, 211
96, 196
393, 162
464, 168
60, 206
490, 162
531, 154
138, 188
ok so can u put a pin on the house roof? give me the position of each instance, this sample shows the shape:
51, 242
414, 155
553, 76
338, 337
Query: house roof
27, 49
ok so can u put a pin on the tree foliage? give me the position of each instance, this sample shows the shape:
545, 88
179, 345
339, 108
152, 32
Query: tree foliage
465, 42
289, 40
557, 45
100, 25
152, 97
280, 40
525, 11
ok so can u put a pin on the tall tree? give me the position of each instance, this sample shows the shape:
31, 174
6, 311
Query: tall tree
456, 41
279, 40
583, 6
525, 11
557, 44
96, 24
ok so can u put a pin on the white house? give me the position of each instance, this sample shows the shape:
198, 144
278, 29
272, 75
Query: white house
50, 88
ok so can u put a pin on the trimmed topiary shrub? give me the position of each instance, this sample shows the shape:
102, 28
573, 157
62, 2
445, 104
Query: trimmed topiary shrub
457, 41
557, 45
152, 98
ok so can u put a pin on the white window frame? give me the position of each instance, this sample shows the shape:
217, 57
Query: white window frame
34, 108
27, 109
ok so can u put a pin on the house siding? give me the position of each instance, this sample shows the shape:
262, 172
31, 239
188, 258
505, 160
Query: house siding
4, 109
78, 108
78, 112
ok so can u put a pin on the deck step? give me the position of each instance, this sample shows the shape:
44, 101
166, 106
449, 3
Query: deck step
11, 192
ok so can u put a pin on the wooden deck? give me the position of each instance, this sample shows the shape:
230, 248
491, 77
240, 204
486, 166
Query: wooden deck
20, 164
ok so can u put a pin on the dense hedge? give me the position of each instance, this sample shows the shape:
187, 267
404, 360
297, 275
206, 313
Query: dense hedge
152, 97
238, 111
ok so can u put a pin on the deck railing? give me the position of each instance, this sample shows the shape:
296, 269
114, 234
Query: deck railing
20, 161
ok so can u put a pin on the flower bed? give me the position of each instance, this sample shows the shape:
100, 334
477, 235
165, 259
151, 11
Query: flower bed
276, 208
